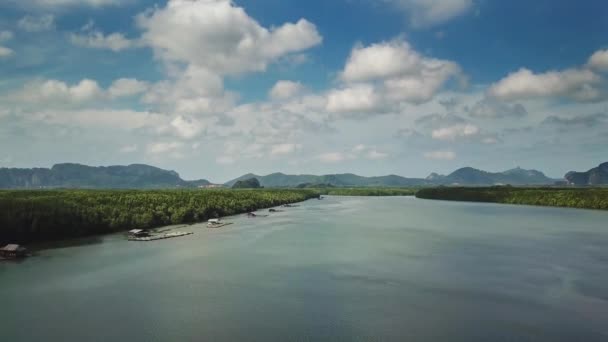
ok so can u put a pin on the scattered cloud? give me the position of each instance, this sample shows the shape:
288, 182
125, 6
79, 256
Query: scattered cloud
599, 60
489, 108
219, 36
89, 37
332, 157
124, 87
577, 84
6, 36
454, 132
6, 52
41, 23
426, 13
286, 89
440, 155
59, 4
56, 93
284, 149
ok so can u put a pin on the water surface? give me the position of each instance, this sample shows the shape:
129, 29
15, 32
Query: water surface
341, 269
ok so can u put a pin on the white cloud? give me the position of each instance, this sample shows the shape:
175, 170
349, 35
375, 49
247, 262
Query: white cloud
358, 98
399, 72
97, 40
332, 157
456, 131
128, 149
5, 52
220, 36
425, 13
440, 155
599, 60
127, 87
164, 147
286, 89
577, 84
284, 149
194, 91
376, 155
187, 127
58, 92
40, 23
57, 4
6, 36
55, 93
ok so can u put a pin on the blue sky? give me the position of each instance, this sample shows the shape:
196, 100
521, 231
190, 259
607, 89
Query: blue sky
218, 88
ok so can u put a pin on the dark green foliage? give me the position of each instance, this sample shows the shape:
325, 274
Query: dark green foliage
27, 216
251, 183
314, 186
596, 198
369, 191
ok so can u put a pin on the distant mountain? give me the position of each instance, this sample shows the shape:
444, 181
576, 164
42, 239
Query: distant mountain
471, 176
134, 176
595, 176
251, 183
281, 180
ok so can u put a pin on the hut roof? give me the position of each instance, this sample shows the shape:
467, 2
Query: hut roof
10, 248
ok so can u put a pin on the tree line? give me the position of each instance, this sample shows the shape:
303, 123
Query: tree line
27, 216
584, 198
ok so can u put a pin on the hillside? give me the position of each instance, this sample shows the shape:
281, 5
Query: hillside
595, 176
136, 176
471, 176
281, 180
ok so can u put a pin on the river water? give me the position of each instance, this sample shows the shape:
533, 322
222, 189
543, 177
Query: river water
340, 269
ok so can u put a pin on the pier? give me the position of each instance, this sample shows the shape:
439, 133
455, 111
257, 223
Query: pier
160, 237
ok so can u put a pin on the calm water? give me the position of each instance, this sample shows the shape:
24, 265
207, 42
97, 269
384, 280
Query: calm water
349, 269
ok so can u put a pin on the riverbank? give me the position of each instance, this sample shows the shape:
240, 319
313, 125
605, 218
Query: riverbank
582, 198
368, 191
38, 216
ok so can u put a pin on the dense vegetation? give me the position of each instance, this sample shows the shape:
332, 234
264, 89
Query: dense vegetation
368, 191
27, 216
558, 197
251, 183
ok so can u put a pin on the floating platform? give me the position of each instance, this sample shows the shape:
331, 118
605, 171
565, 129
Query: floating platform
160, 237
220, 225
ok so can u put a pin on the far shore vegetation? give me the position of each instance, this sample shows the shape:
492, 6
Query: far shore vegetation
583, 198
46, 215
29, 216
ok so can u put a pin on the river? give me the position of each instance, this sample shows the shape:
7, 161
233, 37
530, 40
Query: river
340, 269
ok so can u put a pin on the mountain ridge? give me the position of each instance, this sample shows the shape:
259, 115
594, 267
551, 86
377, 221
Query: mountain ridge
73, 175
595, 176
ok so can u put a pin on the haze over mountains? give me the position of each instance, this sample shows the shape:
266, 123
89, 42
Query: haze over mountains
140, 176
464, 176
81, 176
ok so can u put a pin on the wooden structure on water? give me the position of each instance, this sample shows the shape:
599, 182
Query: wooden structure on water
160, 236
13, 251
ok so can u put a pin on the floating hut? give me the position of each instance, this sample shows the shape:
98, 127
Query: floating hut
13, 251
138, 233
217, 223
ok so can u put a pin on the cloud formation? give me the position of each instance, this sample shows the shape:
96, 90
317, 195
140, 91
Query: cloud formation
220, 36
425, 13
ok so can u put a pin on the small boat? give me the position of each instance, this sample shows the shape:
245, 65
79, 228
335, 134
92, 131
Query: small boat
216, 223
274, 211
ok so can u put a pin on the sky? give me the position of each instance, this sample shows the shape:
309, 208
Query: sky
218, 88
